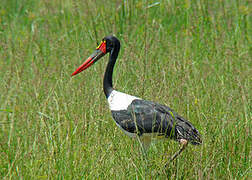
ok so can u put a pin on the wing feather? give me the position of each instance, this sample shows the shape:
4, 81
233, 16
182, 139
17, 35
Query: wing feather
144, 116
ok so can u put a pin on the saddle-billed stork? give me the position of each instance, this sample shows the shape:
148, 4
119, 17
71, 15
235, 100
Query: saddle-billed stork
135, 116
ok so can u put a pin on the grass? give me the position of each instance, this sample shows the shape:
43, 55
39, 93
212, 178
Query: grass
194, 56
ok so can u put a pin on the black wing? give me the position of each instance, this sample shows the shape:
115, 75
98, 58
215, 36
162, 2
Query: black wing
144, 116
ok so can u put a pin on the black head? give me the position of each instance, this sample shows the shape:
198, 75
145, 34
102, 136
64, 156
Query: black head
109, 44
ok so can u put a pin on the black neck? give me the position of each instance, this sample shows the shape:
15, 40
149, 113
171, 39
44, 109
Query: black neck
107, 81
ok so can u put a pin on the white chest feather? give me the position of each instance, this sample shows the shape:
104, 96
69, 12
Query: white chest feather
119, 101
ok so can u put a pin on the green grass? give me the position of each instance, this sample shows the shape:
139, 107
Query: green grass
194, 56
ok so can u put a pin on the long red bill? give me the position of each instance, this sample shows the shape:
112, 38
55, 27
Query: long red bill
91, 60
84, 66
99, 52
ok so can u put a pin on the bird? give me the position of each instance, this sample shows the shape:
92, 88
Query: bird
135, 116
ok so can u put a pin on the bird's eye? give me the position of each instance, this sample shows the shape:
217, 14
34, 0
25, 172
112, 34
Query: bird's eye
109, 46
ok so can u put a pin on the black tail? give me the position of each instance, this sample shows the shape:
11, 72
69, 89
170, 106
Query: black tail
185, 130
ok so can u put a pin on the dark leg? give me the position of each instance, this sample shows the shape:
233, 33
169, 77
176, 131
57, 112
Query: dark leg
184, 143
144, 144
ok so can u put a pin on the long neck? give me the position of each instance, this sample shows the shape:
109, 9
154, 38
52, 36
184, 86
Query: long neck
107, 81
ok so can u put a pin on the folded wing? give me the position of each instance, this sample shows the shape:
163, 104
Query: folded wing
143, 116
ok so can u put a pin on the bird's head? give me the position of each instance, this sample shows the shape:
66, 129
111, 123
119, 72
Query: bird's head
107, 45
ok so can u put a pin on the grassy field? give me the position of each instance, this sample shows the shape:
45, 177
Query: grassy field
194, 56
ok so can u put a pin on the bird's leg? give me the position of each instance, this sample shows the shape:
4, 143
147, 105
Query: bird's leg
142, 146
184, 143
146, 142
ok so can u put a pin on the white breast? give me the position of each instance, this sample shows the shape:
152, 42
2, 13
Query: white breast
119, 101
